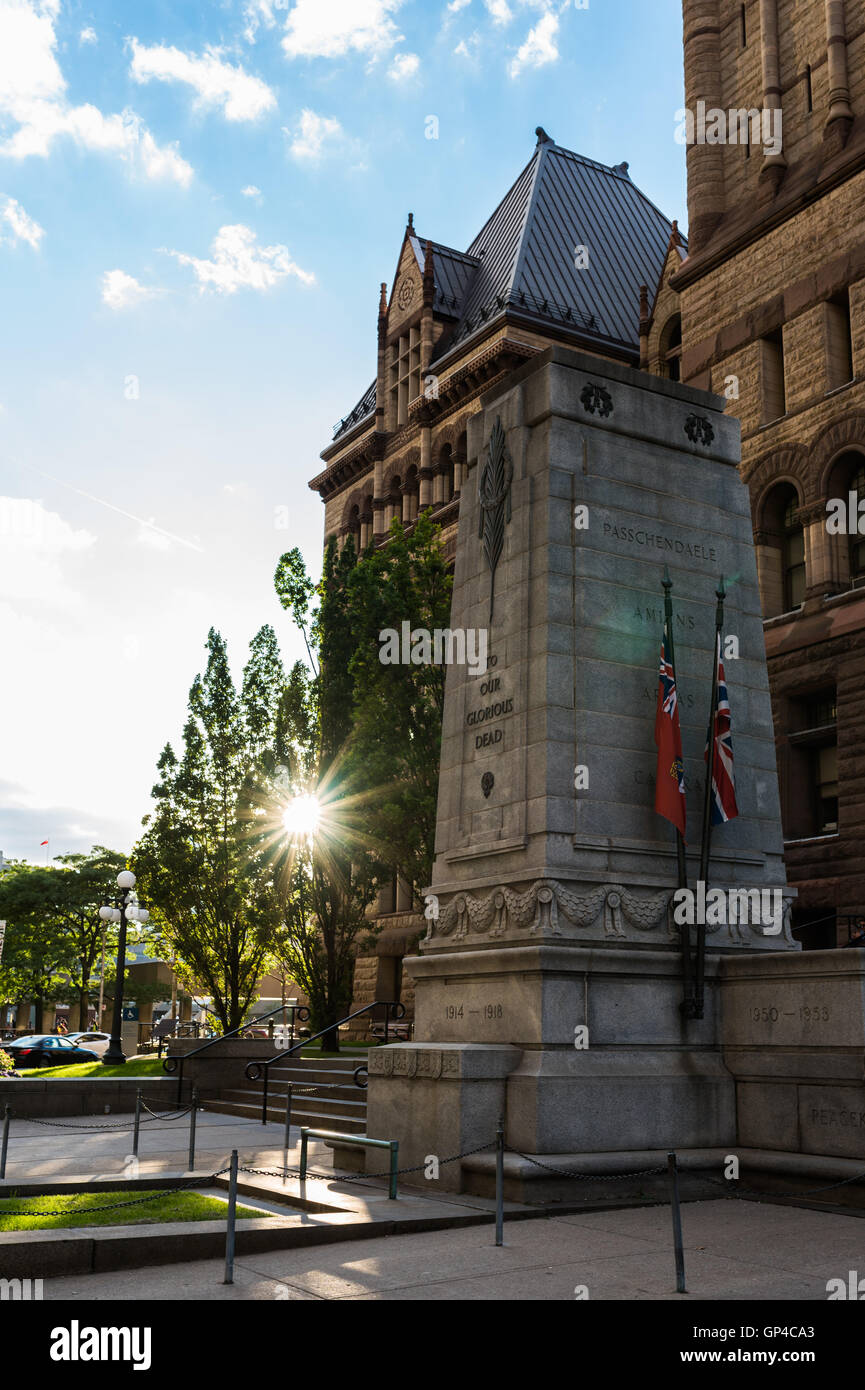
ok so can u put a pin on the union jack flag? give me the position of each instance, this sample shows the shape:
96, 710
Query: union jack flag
723, 802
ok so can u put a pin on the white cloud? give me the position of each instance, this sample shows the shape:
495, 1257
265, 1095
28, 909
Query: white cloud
88, 35
241, 96
500, 11
332, 28
122, 291
456, 5
33, 97
311, 135
467, 48
238, 262
15, 225
34, 542
258, 12
539, 47
250, 191
404, 66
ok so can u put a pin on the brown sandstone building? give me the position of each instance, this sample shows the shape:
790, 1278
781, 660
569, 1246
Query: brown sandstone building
765, 306
772, 313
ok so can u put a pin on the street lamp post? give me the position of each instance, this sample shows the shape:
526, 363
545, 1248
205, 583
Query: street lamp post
125, 911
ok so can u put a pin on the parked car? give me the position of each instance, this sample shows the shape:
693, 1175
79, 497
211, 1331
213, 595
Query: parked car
47, 1050
94, 1042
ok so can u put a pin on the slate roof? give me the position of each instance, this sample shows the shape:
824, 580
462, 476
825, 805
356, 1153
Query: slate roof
453, 272
523, 259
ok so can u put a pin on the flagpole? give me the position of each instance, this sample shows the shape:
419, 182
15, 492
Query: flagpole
687, 995
720, 593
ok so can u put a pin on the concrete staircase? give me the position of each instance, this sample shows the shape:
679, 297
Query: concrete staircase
335, 1103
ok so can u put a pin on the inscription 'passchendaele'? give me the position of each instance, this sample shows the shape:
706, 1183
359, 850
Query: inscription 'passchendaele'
634, 536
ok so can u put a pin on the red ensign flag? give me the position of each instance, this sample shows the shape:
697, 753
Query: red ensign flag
670, 778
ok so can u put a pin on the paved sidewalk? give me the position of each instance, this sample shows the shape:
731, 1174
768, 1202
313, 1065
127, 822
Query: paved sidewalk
733, 1250
67, 1147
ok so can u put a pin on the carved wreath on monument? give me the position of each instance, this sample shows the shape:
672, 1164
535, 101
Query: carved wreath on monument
547, 904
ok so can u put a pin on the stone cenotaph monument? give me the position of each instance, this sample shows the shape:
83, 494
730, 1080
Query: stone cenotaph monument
549, 986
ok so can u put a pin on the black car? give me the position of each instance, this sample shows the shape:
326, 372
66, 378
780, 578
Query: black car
47, 1050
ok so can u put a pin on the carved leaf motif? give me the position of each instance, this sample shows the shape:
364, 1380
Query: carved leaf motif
494, 495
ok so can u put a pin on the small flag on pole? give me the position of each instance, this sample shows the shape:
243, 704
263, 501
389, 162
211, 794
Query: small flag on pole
670, 780
42, 842
724, 806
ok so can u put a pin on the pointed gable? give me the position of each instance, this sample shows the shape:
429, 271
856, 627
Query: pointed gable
526, 262
529, 249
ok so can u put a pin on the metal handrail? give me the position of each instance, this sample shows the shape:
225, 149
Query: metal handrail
254, 1070
173, 1064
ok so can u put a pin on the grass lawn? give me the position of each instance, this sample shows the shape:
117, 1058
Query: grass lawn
80, 1209
136, 1066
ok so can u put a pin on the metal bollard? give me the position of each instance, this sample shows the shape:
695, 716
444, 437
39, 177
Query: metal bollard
192, 1130
394, 1167
304, 1142
7, 1111
232, 1215
287, 1140
137, 1124
673, 1171
500, 1181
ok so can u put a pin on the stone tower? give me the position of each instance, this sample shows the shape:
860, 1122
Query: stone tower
771, 309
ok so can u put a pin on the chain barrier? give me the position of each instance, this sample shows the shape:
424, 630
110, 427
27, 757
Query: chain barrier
161, 1100
116, 1206
178, 1114
95, 1129
589, 1177
809, 1192
737, 1191
705, 1177
363, 1177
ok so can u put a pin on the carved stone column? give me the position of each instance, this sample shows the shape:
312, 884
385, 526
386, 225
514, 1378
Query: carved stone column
840, 117
426, 469
702, 38
459, 473
774, 165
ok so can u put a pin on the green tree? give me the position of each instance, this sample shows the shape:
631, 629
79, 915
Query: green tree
55, 932
330, 877
397, 709
203, 864
375, 731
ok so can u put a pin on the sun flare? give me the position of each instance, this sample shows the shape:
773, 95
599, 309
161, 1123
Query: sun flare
301, 816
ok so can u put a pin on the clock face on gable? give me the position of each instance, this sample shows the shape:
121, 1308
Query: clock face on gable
405, 294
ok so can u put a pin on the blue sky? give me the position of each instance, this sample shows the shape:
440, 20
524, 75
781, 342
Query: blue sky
197, 206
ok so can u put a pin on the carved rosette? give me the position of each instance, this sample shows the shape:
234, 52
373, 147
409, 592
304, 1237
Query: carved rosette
597, 398
699, 430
